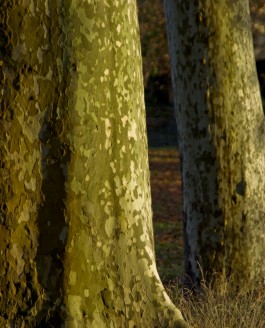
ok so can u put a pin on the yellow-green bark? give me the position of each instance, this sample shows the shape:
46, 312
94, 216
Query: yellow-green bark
221, 137
76, 226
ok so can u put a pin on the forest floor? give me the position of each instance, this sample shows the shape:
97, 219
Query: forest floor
167, 211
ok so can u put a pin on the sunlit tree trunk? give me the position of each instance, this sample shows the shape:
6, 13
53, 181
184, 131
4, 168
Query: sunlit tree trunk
76, 239
221, 137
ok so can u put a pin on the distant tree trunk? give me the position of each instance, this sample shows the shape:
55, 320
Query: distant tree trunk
76, 237
221, 137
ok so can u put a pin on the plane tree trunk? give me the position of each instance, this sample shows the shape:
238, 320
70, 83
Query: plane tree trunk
221, 137
76, 238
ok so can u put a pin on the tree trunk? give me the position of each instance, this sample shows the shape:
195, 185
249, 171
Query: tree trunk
76, 235
221, 137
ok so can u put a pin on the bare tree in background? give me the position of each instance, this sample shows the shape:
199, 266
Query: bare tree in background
221, 137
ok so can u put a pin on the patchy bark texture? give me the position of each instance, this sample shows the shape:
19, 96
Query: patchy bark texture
221, 137
76, 232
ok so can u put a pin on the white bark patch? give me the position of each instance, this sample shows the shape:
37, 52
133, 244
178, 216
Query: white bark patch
118, 44
45, 31
31, 184
143, 238
122, 151
72, 278
17, 254
86, 292
74, 302
28, 208
106, 250
132, 131
235, 47
112, 165
36, 87
19, 50
40, 55
32, 8
108, 133
118, 185
31, 124
118, 28
85, 152
49, 74
76, 186
47, 8
124, 120
110, 226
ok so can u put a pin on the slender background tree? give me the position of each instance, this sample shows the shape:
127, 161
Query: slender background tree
221, 137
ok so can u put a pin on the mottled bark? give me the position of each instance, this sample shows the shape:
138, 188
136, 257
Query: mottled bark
221, 137
76, 237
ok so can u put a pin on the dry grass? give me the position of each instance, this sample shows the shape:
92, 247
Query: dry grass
214, 307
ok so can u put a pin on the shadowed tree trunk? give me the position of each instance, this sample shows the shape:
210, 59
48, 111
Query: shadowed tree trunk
221, 137
76, 237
